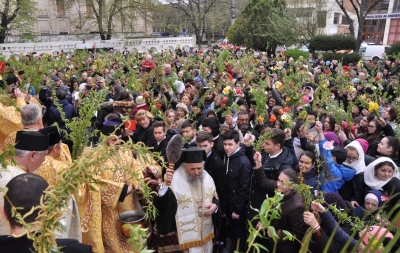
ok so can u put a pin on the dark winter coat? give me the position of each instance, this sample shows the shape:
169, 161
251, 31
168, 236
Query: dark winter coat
272, 167
144, 135
292, 221
238, 171
216, 168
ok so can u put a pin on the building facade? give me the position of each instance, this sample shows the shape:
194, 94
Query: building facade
59, 20
382, 25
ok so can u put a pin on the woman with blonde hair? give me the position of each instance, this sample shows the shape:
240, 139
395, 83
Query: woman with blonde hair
144, 131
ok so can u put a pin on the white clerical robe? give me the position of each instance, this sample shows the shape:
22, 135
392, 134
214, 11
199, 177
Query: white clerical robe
195, 232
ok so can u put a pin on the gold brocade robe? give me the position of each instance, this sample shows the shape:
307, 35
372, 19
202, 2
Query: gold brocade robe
99, 208
50, 170
10, 121
65, 154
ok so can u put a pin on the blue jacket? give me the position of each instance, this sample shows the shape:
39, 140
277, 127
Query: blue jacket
238, 172
55, 115
334, 175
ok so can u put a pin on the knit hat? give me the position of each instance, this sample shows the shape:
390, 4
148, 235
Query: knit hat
377, 196
140, 100
374, 233
364, 144
183, 107
148, 57
213, 124
334, 198
331, 136
340, 153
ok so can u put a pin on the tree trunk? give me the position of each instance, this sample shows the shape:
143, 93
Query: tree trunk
2, 35
102, 36
198, 38
3, 28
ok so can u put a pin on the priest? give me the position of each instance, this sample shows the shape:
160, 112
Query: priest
30, 152
187, 208
51, 170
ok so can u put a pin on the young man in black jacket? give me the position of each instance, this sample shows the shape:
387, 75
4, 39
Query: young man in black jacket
238, 171
216, 168
275, 157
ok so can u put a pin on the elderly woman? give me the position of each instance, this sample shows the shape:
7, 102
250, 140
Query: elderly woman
144, 131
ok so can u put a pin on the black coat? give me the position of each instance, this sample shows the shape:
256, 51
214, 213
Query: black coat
22, 244
219, 147
292, 221
216, 168
354, 189
162, 149
144, 135
238, 169
272, 167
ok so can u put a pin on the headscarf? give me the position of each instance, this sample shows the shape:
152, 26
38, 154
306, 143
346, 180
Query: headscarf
358, 165
369, 174
364, 144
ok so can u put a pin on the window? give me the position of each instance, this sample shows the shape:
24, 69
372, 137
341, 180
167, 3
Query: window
88, 7
336, 18
303, 12
321, 18
396, 6
345, 21
60, 7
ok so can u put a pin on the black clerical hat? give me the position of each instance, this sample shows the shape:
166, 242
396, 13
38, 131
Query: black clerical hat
31, 141
193, 155
54, 135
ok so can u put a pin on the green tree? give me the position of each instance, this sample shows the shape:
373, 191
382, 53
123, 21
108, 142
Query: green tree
307, 18
361, 8
255, 29
16, 15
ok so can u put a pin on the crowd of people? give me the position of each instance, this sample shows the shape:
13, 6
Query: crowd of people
252, 127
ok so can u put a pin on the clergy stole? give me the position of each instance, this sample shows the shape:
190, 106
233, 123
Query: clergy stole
195, 231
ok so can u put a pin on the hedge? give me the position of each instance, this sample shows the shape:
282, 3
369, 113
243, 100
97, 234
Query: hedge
295, 53
345, 59
332, 43
393, 49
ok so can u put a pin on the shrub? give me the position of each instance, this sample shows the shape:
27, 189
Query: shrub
345, 59
332, 43
295, 53
393, 50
